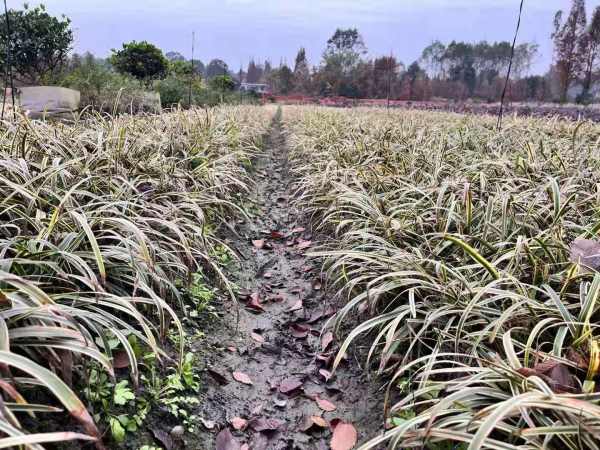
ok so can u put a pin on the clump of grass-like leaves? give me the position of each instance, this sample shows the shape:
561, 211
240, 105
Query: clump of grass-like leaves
101, 223
457, 246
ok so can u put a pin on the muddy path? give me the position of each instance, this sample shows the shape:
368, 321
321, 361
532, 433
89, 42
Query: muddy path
278, 347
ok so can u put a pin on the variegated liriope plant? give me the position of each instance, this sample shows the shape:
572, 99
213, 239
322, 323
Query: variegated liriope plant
454, 255
103, 223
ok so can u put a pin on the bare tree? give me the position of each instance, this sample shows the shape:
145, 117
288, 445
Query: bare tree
301, 72
592, 48
570, 45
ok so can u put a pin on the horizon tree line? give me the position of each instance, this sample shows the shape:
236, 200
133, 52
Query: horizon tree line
456, 70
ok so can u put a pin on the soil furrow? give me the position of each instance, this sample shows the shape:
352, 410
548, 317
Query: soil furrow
275, 269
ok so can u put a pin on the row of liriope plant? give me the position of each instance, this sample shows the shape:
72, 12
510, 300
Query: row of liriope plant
102, 223
458, 252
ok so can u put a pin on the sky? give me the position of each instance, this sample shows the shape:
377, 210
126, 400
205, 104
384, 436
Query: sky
238, 30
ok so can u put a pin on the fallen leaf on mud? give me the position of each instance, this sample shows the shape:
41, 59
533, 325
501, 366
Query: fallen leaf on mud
326, 374
226, 441
302, 244
315, 316
586, 252
296, 306
314, 421
238, 423
326, 340
254, 302
276, 235
242, 377
325, 405
289, 385
554, 373
208, 424
344, 437
218, 376
164, 438
258, 243
257, 337
299, 331
262, 424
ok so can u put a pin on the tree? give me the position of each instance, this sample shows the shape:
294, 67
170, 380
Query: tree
267, 71
433, 58
282, 80
591, 49
385, 77
342, 59
301, 72
344, 50
523, 58
173, 56
216, 67
222, 83
569, 45
39, 43
141, 60
254, 73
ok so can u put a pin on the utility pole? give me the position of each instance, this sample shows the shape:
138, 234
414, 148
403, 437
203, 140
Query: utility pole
193, 74
389, 84
507, 81
8, 78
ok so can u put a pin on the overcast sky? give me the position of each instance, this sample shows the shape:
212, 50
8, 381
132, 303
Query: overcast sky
237, 30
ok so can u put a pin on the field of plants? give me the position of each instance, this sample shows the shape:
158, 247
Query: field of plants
466, 262
459, 266
107, 242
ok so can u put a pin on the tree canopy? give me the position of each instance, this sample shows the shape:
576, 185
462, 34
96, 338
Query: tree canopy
216, 67
141, 60
39, 43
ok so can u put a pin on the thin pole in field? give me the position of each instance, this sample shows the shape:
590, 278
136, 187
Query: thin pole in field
512, 54
389, 81
8, 74
193, 74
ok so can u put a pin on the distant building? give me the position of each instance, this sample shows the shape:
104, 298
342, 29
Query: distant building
258, 88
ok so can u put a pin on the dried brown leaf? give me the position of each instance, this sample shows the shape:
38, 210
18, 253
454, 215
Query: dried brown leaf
344, 437
241, 377
226, 441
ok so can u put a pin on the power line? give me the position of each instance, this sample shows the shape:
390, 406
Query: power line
512, 54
